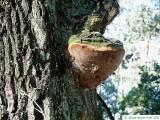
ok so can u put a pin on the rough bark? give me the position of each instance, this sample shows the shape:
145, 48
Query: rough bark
35, 80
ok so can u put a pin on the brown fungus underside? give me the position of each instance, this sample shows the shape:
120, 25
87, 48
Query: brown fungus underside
95, 57
94, 64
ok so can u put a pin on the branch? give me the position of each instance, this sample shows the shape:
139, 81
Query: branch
106, 107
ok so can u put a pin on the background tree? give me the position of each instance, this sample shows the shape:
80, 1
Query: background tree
109, 92
145, 98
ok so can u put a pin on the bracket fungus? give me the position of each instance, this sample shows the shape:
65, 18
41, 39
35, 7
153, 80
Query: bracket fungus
94, 57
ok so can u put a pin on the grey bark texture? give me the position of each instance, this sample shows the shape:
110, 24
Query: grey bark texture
35, 78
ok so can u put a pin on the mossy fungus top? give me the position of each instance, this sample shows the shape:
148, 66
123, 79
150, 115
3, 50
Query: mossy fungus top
94, 39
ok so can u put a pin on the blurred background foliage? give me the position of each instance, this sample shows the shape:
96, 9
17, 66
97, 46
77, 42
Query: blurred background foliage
135, 86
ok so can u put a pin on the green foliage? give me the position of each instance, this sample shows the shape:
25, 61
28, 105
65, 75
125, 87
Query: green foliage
145, 98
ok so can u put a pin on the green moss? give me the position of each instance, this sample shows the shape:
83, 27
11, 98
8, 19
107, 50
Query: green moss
94, 39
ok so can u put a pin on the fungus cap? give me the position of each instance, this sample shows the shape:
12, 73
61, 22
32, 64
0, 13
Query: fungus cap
94, 64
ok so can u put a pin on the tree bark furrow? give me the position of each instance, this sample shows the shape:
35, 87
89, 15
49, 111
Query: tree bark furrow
36, 82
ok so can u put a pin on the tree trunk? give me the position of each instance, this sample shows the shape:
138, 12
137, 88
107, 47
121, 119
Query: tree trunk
36, 82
